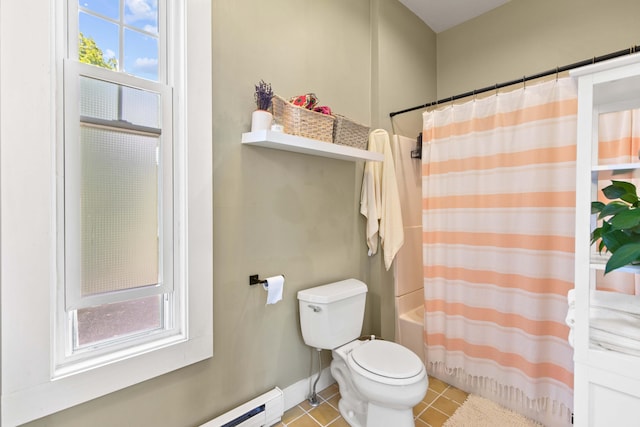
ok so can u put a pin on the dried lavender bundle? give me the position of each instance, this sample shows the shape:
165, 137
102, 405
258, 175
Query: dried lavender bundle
263, 95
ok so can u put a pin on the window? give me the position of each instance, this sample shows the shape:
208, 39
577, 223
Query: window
118, 222
119, 289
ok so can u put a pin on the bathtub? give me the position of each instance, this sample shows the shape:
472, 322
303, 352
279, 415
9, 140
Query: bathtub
410, 330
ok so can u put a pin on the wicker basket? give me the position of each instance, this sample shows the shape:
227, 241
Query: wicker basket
302, 122
348, 132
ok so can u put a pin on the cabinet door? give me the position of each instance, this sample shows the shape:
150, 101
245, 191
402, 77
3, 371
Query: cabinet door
607, 307
614, 309
603, 399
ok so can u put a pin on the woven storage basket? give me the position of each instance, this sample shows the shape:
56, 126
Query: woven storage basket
348, 132
302, 122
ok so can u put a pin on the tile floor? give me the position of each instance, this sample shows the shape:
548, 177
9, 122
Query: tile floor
440, 402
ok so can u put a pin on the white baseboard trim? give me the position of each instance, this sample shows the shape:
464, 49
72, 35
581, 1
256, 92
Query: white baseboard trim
300, 390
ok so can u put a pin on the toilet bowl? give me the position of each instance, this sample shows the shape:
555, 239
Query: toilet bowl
380, 381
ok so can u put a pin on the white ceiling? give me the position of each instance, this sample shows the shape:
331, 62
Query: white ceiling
440, 15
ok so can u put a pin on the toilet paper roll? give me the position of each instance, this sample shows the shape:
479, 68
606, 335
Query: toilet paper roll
274, 287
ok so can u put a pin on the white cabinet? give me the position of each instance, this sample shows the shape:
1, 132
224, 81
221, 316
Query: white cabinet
607, 377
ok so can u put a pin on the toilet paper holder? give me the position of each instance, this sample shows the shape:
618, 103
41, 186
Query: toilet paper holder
254, 279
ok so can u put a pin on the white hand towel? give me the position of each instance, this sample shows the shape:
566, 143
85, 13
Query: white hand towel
380, 200
571, 297
371, 199
570, 338
570, 320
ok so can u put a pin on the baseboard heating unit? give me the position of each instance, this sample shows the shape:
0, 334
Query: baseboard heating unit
263, 411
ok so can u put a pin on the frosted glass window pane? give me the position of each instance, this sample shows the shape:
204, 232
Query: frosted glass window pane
109, 101
98, 99
141, 107
119, 211
117, 320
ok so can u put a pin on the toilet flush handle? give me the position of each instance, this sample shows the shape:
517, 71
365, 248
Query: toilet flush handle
315, 308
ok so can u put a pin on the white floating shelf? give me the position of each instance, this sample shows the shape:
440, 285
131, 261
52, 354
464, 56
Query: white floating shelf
298, 144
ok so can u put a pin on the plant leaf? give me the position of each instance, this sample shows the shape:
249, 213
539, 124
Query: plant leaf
614, 239
626, 186
621, 190
596, 207
596, 234
626, 219
623, 256
629, 198
613, 208
613, 192
601, 246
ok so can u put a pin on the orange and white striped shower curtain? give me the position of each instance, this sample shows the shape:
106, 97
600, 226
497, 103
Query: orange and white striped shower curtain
498, 225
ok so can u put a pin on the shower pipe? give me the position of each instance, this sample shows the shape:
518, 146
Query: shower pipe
497, 86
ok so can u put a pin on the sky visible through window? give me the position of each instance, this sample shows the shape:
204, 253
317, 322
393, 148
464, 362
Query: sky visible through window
126, 30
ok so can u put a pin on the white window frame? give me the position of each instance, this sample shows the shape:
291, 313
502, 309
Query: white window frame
67, 359
29, 221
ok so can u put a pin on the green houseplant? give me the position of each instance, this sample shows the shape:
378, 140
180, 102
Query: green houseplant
619, 232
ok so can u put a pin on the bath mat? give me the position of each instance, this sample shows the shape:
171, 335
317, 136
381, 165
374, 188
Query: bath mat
477, 411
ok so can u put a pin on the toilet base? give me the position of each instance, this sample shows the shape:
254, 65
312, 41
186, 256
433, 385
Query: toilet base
354, 419
352, 405
375, 416
378, 416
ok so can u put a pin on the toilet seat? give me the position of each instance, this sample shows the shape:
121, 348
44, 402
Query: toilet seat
386, 362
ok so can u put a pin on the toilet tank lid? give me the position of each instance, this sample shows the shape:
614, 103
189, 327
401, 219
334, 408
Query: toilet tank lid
333, 291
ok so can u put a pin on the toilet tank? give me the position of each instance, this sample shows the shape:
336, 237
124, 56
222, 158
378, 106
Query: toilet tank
331, 315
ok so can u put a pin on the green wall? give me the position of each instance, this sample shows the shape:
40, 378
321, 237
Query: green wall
525, 37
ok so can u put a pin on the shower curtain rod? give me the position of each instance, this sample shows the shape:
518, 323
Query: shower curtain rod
556, 70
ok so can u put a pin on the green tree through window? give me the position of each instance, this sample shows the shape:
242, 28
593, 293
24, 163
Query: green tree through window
90, 53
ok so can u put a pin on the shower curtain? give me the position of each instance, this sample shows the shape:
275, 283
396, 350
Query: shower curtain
498, 226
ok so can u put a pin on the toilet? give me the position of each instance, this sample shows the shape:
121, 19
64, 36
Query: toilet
380, 381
